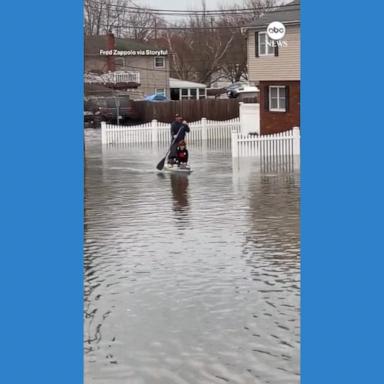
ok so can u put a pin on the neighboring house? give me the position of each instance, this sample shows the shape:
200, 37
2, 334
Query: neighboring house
187, 90
151, 71
275, 68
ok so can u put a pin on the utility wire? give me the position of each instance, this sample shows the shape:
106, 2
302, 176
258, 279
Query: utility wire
175, 28
128, 25
219, 12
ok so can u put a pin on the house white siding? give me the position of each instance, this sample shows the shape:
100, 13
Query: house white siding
285, 66
151, 78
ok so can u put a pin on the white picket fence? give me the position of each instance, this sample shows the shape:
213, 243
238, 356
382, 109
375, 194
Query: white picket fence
157, 132
276, 145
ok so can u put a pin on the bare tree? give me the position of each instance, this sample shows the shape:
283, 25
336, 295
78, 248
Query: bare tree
92, 17
260, 8
197, 49
101, 16
204, 49
181, 54
211, 48
142, 25
234, 62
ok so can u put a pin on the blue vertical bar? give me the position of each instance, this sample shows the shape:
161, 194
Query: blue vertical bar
41, 201
342, 192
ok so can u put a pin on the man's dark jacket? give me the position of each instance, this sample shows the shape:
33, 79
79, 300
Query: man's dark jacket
181, 128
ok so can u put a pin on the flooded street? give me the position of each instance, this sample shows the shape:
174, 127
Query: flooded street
190, 278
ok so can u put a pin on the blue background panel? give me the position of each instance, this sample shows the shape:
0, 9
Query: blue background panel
41, 201
342, 192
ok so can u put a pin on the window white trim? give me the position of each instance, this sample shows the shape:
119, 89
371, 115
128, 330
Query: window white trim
159, 66
196, 95
184, 97
188, 95
279, 107
120, 62
202, 93
269, 50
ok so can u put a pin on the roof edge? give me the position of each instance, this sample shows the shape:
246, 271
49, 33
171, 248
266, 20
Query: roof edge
263, 26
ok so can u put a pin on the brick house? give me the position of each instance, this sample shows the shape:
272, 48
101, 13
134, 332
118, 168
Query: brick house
151, 72
274, 66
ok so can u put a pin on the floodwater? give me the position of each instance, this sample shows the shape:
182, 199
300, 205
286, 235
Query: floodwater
190, 279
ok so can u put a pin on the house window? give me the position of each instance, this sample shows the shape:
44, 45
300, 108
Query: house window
159, 62
119, 62
175, 93
192, 93
277, 99
184, 93
160, 91
265, 45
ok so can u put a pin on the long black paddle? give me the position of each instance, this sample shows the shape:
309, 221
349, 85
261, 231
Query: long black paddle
160, 166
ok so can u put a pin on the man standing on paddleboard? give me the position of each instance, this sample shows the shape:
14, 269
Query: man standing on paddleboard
178, 130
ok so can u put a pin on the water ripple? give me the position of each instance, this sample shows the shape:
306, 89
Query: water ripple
189, 279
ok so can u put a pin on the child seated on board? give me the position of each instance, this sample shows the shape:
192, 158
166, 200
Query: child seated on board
181, 153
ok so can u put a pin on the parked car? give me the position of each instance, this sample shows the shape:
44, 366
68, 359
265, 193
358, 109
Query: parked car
242, 89
246, 91
231, 89
156, 97
104, 108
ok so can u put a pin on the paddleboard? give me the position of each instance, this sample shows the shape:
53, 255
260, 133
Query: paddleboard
177, 169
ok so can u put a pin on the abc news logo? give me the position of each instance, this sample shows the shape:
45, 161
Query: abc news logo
277, 43
276, 30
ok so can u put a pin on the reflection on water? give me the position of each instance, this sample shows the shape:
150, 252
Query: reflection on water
179, 184
190, 278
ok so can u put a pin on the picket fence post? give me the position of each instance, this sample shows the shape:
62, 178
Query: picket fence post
234, 144
103, 132
154, 131
296, 141
204, 135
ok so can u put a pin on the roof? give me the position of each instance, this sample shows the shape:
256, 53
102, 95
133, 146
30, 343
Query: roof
176, 83
127, 44
287, 14
93, 44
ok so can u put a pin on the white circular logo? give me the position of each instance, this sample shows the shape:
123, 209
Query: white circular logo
276, 30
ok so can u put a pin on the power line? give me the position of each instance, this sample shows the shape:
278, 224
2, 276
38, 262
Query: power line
218, 12
174, 28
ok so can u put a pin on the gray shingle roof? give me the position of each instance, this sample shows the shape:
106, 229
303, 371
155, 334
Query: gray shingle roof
287, 13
